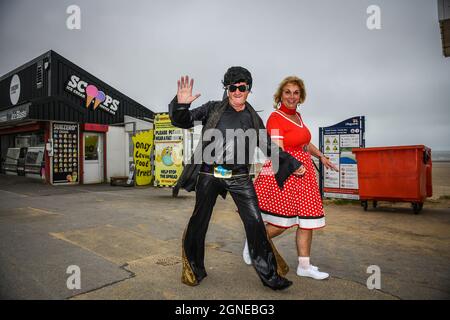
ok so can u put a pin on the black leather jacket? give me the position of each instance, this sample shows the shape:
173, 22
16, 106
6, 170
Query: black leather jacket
209, 114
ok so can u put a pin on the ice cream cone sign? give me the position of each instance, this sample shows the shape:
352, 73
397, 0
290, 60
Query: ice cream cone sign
89, 100
91, 93
99, 98
96, 103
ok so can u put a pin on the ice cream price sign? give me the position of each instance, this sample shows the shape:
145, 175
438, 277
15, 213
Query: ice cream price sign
92, 95
65, 153
336, 142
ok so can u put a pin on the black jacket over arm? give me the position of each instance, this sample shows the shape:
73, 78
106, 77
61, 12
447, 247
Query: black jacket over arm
209, 115
182, 117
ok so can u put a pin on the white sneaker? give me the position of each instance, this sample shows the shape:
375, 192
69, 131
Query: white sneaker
246, 254
312, 273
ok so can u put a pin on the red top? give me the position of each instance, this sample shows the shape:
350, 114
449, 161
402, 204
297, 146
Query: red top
294, 135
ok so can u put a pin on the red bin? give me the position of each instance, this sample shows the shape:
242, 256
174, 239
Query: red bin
398, 174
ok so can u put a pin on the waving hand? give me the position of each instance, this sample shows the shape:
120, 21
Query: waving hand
184, 93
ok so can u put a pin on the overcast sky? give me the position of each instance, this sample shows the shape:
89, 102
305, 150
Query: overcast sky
396, 76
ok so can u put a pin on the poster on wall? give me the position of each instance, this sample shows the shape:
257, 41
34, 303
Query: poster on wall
168, 151
65, 153
337, 142
142, 155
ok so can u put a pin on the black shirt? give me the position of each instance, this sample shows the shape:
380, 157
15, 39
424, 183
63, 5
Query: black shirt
237, 149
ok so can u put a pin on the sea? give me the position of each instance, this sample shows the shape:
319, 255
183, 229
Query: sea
440, 156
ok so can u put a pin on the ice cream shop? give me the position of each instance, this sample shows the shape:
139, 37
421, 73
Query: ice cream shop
62, 124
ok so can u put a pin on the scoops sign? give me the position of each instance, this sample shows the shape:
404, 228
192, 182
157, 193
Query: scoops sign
92, 93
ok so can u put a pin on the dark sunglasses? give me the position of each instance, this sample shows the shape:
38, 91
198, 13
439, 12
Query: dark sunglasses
242, 87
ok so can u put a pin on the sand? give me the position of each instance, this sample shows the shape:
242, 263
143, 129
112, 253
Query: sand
441, 179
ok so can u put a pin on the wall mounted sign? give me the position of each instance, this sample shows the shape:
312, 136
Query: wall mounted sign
65, 153
14, 89
92, 95
16, 113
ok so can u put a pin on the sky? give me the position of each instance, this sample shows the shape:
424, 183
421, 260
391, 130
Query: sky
396, 76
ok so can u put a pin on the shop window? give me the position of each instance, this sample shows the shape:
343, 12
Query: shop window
23, 141
40, 140
91, 147
35, 139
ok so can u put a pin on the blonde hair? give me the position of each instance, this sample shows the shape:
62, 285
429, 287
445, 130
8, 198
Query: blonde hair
291, 79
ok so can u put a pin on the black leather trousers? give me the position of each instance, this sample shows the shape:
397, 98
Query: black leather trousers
243, 193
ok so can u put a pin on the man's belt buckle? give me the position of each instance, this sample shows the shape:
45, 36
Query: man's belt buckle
221, 172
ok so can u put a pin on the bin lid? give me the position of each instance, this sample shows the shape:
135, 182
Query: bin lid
421, 147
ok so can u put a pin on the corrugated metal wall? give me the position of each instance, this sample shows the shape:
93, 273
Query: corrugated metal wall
56, 109
6, 141
64, 105
28, 86
64, 69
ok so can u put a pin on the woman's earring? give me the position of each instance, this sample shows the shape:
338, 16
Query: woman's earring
279, 105
298, 105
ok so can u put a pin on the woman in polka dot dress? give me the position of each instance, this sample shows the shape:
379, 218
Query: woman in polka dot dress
299, 203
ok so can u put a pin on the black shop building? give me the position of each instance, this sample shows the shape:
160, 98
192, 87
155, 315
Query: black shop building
63, 114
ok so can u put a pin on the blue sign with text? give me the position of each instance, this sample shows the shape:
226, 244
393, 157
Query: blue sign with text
336, 142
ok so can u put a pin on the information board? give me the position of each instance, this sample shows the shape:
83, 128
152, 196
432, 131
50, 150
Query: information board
337, 142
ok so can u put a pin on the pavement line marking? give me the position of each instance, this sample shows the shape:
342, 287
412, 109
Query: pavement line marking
41, 210
60, 236
109, 193
15, 193
114, 194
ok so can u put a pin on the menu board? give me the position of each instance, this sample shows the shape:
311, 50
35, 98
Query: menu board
65, 153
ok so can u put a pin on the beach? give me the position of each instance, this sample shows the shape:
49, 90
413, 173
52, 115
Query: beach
441, 179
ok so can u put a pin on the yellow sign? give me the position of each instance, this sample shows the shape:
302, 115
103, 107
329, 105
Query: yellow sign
143, 145
168, 151
165, 131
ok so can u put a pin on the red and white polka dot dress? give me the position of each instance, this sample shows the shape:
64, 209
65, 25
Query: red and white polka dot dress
299, 203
